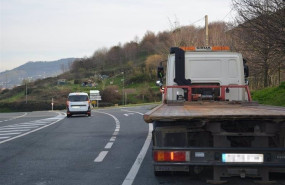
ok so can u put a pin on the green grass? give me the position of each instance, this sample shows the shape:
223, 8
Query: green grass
271, 95
15, 97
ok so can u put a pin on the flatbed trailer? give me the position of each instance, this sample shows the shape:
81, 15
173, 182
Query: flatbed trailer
235, 138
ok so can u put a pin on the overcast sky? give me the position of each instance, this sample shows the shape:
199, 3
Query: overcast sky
46, 30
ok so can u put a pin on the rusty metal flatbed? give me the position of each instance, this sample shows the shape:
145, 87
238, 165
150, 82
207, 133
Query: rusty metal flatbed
215, 111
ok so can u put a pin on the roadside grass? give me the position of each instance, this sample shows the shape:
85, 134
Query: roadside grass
271, 95
15, 97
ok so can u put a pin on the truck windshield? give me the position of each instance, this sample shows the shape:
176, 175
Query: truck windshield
78, 98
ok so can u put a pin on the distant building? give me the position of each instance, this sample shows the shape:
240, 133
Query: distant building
61, 81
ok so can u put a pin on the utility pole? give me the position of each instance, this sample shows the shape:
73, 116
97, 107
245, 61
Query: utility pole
206, 30
26, 93
123, 88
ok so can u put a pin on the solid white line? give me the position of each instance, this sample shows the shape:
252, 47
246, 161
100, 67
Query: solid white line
136, 166
31, 131
101, 156
11, 133
21, 115
109, 145
1, 121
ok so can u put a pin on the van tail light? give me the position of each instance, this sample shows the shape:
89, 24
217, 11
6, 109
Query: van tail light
171, 156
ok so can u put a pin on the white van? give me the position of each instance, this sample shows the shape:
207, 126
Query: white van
78, 103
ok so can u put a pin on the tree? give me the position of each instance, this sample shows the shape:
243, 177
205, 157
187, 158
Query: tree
111, 94
152, 62
260, 33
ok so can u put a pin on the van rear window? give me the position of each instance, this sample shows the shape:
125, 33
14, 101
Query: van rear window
78, 98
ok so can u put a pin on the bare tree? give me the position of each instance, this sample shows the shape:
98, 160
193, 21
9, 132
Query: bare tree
261, 35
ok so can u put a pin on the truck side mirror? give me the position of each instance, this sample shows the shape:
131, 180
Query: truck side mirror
246, 71
245, 68
160, 72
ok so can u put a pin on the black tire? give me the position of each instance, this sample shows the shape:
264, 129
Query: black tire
89, 114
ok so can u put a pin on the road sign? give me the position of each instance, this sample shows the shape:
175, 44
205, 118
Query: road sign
95, 97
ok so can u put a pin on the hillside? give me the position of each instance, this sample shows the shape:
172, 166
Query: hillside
125, 73
33, 71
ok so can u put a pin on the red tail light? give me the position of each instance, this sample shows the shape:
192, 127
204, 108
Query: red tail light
171, 156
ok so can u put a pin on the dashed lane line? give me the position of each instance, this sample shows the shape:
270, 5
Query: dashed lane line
101, 156
109, 145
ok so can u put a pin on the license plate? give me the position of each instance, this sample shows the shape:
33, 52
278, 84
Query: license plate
76, 107
242, 158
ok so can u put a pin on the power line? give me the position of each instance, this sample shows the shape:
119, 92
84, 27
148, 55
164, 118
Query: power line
197, 20
228, 13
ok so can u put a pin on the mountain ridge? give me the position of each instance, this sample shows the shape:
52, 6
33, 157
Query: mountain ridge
34, 70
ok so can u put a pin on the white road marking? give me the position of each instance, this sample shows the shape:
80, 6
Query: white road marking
112, 139
101, 156
58, 118
4, 137
13, 129
109, 145
15, 117
126, 115
2, 131
19, 126
21, 116
137, 164
33, 123
11, 133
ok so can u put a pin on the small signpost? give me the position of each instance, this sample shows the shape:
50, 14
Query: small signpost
52, 104
95, 96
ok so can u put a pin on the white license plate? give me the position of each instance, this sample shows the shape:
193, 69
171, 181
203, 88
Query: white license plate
242, 158
76, 107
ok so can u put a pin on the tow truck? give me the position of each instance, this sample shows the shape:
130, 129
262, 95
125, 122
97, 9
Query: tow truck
207, 118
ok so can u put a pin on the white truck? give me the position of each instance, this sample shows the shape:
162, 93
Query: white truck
207, 118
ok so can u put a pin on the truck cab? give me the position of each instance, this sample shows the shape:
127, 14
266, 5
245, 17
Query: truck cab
205, 67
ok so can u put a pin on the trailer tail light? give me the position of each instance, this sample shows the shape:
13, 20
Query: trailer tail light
171, 156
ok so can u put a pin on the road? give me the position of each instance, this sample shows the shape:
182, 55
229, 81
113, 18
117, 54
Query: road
112, 147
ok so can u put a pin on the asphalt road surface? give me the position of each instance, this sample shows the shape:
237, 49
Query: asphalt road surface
112, 147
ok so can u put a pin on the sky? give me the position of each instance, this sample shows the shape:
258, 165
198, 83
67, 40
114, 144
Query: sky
47, 30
